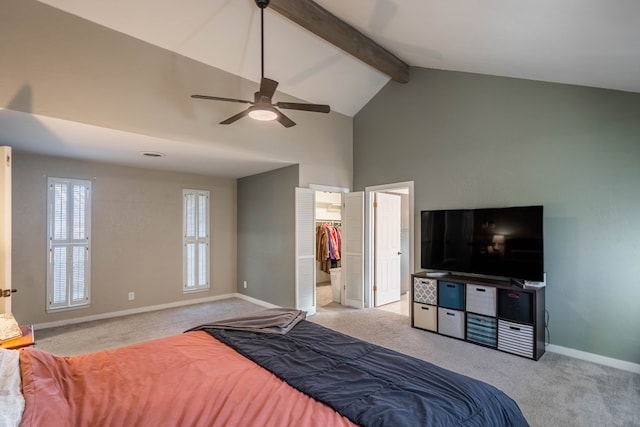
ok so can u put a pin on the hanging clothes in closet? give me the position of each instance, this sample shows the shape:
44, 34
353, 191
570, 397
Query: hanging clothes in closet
328, 246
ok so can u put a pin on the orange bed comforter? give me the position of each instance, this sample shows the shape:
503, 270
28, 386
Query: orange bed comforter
190, 379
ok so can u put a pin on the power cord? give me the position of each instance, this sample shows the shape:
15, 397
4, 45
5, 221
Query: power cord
546, 327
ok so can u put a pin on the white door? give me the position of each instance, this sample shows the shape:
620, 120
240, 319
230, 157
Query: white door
305, 250
387, 248
5, 227
353, 249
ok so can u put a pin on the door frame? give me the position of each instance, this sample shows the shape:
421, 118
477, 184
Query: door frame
369, 240
5, 227
328, 189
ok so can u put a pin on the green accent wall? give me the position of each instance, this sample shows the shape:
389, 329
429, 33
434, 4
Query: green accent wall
473, 141
266, 235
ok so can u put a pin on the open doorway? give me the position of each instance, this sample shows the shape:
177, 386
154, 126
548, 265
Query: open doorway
389, 260
328, 240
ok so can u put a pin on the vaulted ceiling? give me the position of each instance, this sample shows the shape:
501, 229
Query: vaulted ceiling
584, 42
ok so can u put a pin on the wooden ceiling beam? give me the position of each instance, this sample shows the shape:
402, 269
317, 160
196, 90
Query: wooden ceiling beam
322, 23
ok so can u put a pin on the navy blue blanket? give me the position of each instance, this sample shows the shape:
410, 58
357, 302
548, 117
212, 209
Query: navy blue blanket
372, 385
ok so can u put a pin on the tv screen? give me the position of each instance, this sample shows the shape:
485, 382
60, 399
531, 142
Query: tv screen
502, 242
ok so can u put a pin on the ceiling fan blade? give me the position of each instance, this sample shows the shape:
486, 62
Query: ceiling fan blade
218, 98
317, 108
284, 120
267, 89
235, 118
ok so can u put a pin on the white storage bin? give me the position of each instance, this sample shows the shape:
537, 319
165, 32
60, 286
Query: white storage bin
451, 322
425, 316
481, 300
336, 283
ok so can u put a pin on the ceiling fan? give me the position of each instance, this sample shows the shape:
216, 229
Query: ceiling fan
262, 108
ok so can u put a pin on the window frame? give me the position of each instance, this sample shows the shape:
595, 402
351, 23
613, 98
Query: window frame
69, 243
196, 239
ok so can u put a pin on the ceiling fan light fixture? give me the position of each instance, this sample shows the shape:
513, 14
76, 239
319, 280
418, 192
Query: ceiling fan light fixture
262, 107
263, 114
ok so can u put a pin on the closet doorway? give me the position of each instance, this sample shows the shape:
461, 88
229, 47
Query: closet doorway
328, 238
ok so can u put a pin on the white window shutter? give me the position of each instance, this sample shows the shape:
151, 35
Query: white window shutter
69, 228
196, 240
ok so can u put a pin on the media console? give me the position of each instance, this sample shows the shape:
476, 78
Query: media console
490, 313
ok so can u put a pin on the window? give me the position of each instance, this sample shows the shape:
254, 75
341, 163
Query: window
69, 228
195, 254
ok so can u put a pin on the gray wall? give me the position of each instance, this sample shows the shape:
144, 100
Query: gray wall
266, 235
472, 141
137, 235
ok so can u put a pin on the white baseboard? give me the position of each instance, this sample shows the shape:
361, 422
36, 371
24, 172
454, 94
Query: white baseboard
256, 301
146, 309
595, 358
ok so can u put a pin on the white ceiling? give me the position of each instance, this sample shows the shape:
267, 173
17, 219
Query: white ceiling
584, 42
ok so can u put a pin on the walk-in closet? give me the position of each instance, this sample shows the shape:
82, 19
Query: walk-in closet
328, 247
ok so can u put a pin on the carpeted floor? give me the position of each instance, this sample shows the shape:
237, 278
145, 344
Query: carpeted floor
554, 391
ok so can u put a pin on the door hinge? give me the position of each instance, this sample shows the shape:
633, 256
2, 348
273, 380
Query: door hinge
375, 288
375, 205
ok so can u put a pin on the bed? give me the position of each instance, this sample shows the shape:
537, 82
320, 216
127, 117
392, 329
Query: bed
273, 369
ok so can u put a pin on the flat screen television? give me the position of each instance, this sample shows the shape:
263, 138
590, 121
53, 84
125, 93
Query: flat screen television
497, 242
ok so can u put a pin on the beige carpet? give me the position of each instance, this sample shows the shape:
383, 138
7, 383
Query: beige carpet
555, 391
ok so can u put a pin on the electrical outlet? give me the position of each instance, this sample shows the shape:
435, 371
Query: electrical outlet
132, 296
245, 284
